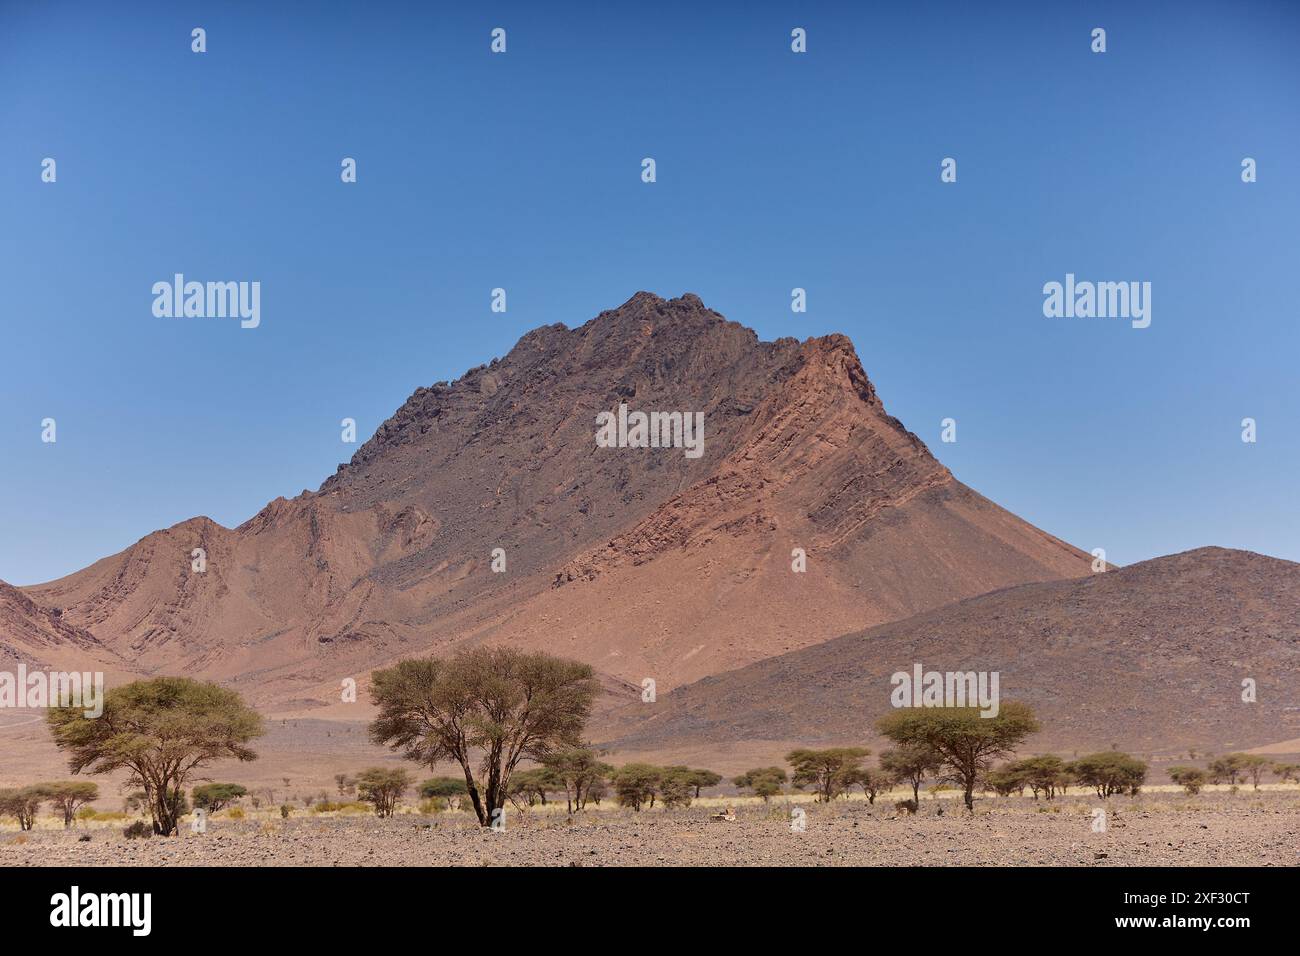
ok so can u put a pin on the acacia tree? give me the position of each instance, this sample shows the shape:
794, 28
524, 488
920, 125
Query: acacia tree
1287, 771
701, 779
871, 780
967, 742
498, 704
578, 769
1044, 774
911, 763
161, 730
1255, 766
213, 796
70, 795
827, 771
23, 804
765, 782
1110, 772
1191, 779
445, 789
382, 787
636, 784
1228, 769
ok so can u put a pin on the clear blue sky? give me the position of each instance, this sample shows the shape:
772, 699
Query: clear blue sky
775, 170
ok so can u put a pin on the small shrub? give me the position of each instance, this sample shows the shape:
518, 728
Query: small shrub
284, 811
235, 813
138, 830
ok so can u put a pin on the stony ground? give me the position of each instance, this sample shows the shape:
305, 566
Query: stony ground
1158, 829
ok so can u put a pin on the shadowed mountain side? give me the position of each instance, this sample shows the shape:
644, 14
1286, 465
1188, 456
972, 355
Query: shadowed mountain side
1146, 657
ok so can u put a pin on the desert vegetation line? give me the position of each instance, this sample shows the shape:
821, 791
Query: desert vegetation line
491, 711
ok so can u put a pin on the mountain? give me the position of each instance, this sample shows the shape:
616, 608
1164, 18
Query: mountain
1147, 657
40, 637
646, 562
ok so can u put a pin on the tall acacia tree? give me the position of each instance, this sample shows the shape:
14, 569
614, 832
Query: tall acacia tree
161, 730
486, 708
967, 742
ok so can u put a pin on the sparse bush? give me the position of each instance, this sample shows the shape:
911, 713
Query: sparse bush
137, 831
235, 813
285, 810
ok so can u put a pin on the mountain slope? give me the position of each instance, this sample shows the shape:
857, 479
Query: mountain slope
41, 638
1148, 656
643, 561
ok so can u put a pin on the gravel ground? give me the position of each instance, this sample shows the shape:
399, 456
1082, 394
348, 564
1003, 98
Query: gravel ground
1159, 829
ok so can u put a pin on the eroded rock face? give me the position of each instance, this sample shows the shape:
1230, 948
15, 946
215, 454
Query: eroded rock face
642, 561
